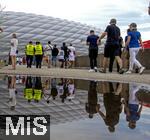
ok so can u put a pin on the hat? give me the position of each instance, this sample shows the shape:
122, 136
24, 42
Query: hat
113, 21
133, 26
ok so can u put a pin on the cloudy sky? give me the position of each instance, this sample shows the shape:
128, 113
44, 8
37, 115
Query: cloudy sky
92, 12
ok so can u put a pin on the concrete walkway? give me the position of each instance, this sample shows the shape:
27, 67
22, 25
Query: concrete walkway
77, 74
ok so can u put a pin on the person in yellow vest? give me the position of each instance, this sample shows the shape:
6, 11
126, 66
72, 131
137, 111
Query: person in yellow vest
29, 51
38, 91
38, 54
28, 91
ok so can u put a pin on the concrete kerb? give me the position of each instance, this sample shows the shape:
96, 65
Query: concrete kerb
77, 74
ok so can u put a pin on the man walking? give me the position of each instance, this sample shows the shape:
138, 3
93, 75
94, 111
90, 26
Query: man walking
112, 45
93, 50
55, 52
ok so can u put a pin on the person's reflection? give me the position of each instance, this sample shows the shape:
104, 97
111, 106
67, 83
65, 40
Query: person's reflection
90, 106
65, 90
47, 90
54, 91
71, 90
60, 88
38, 91
12, 92
112, 104
132, 106
28, 91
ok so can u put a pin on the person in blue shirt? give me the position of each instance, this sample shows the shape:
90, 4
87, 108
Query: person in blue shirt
91, 104
134, 42
93, 50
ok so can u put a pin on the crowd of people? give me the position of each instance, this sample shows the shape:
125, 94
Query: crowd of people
38, 53
113, 48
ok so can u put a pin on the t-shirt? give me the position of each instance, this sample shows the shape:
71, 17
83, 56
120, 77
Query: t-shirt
71, 53
134, 115
113, 34
61, 55
134, 42
14, 44
55, 52
66, 51
14, 41
92, 39
71, 50
60, 89
47, 49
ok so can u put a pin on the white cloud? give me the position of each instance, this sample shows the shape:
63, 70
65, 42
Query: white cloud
94, 12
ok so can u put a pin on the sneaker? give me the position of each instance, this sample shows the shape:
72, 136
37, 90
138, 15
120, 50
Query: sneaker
137, 70
141, 70
102, 71
95, 68
128, 72
91, 70
121, 71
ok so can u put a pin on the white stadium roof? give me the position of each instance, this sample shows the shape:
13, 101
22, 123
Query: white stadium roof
43, 28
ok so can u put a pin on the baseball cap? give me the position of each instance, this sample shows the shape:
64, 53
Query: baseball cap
113, 21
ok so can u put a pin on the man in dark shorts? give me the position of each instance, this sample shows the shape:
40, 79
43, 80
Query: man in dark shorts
112, 45
93, 50
112, 57
112, 104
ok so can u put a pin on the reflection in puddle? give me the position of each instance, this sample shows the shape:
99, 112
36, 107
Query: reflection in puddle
80, 101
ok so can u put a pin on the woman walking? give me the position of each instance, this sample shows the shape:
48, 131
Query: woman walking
134, 42
13, 51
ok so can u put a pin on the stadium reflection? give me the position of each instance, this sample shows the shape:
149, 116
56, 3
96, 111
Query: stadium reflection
84, 108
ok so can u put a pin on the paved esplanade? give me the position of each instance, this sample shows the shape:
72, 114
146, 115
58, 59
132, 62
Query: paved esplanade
77, 74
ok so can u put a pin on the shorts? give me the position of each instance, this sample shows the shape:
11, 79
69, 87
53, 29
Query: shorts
112, 50
66, 58
13, 53
54, 58
61, 60
46, 58
126, 54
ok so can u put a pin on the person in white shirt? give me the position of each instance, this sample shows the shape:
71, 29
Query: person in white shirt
13, 51
71, 55
48, 53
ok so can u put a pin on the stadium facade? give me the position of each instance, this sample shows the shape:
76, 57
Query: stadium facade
43, 28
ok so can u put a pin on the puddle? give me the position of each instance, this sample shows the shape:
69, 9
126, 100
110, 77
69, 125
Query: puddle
80, 109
